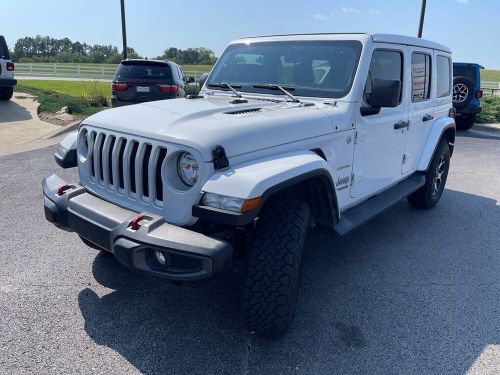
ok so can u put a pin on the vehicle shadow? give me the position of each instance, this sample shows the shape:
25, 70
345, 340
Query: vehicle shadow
415, 291
11, 111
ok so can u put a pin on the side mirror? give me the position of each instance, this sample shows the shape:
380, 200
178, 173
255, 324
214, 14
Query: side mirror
65, 155
190, 80
202, 79
385, 93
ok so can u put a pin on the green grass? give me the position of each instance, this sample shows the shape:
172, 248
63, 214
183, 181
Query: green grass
53, 95
490, 75
72, 88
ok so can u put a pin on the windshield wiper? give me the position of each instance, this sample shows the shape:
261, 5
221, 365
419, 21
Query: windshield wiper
228, 86
280, 88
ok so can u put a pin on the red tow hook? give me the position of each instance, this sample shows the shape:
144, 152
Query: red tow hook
63, 189
134, 223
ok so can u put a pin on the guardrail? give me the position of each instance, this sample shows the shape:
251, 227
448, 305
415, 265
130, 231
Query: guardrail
75, 71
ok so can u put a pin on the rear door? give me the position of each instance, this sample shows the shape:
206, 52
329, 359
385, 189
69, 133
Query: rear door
421, 108
378, 152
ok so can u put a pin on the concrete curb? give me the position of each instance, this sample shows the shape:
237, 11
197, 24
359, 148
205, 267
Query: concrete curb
487, 127
64, 129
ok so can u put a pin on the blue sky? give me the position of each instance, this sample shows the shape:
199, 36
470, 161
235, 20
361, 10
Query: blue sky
468, 27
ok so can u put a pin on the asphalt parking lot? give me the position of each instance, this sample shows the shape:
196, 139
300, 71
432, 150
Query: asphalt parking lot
414, 292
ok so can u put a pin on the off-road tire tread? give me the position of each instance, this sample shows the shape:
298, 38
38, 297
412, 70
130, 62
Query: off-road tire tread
7, 94
423, 198
273, 269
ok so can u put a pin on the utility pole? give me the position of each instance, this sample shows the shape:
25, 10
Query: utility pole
422, 16
124, 30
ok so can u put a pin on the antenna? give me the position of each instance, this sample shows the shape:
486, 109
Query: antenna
422, 16
124, 30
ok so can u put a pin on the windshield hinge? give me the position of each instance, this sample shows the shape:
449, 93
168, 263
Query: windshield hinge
220, 159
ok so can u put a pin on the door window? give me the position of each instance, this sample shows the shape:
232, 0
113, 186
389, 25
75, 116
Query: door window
443, 76
385, 65
420, 77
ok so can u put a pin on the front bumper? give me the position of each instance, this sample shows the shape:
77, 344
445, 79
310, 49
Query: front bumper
189, 255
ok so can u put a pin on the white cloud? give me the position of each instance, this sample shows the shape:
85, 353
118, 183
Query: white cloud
350, 10
322, 16
319, 16
462, 1
375, 12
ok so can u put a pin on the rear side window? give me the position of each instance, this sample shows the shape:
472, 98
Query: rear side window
443, 76
385, 65
4, 51
143, 71
420, 77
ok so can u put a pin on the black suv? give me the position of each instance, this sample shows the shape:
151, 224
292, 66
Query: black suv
138, 81
7, 81
466, 93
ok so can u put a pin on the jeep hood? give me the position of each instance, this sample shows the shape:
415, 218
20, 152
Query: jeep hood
214, 120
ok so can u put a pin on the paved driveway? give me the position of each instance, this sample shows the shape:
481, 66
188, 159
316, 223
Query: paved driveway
414, 292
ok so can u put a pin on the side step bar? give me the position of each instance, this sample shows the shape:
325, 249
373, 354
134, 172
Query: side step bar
359, 215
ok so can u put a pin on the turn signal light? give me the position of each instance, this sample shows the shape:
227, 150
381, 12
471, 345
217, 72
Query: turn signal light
10, 66
249, 204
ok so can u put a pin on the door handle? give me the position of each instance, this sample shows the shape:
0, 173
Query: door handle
428, 118
401, 124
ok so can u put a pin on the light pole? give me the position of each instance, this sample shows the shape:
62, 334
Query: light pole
124, 30
422, 16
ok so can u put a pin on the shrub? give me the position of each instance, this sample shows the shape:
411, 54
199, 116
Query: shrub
491, 110
95, 98
192, 89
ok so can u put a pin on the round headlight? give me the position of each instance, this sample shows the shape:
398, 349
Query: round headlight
83, 144
188, 169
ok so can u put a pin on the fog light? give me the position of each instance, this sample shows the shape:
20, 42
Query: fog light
160, 257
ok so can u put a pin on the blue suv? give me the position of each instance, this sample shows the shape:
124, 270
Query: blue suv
466, 93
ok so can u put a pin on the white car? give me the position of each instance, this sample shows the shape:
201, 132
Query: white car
7, 81
184, 188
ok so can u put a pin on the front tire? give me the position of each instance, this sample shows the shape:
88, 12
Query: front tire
465, 122
435, 179
274, 261
6, 93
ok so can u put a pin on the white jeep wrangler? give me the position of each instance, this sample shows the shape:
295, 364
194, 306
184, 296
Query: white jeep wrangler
287, 132
7, 81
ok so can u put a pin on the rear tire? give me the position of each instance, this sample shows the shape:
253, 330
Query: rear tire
6, 93
435, 179
274, 261
465, 122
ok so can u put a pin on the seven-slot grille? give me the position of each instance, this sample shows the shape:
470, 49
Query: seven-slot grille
126, 165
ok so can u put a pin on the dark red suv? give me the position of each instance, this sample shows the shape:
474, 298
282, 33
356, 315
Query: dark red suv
138, 81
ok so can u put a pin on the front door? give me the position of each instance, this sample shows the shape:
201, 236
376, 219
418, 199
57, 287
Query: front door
380, 141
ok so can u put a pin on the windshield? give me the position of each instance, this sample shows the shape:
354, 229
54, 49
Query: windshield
311, 68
